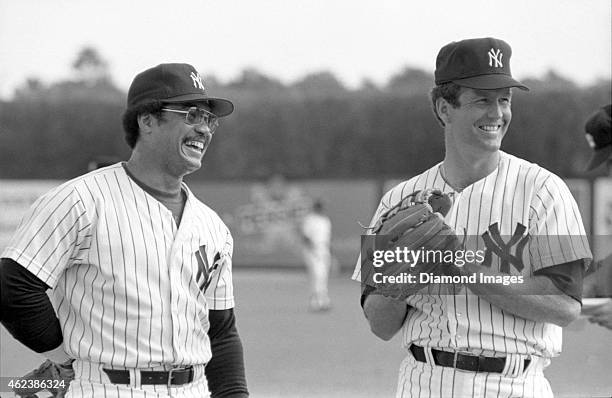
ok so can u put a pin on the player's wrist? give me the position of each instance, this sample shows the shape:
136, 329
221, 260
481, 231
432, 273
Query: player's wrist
57, 355
67, 364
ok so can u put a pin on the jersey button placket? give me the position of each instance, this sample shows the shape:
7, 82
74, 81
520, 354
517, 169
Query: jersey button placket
174, 262
450, 319
461, 329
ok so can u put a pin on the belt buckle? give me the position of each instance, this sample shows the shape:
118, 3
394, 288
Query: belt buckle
169, 384
462, 353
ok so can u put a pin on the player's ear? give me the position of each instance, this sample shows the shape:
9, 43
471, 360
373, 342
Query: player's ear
145, 122
443, 110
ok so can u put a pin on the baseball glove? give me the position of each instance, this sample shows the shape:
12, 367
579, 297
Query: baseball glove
416, 224
49, 376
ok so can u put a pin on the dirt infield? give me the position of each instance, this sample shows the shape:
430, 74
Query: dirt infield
292, 353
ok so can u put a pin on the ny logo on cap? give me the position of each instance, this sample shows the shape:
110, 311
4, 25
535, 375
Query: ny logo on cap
495, 58
197, 80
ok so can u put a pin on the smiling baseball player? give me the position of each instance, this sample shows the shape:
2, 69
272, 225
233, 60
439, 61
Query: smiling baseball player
486, 340
141, 270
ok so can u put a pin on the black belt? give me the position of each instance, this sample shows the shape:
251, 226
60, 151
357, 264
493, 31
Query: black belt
457, 360
172, 377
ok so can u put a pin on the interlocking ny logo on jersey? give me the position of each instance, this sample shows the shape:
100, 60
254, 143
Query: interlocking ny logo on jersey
197, 80
495, 58
204, 275
495, 244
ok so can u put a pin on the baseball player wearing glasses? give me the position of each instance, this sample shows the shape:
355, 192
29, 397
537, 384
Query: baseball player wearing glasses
141, 270
487, 339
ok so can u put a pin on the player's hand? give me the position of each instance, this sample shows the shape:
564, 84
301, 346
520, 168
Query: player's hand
602, 315
415, 224
307, 242
49, 376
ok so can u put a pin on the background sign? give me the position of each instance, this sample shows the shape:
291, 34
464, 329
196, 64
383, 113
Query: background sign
264, 217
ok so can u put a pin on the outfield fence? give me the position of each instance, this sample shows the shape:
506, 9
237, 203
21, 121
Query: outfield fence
264, 217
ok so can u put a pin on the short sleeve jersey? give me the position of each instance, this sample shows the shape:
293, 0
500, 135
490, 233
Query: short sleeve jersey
130, 287
518, 197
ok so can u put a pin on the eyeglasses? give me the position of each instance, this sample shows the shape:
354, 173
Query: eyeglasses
195, 116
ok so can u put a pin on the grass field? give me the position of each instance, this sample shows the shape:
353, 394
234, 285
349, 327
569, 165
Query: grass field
290, 352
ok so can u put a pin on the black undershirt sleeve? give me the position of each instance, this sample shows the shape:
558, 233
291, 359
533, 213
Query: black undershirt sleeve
26, 311
225, 371
567, 277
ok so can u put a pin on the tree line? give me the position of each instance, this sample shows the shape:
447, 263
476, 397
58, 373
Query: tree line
313, 128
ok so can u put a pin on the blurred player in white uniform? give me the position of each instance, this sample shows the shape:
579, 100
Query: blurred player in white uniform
316, 237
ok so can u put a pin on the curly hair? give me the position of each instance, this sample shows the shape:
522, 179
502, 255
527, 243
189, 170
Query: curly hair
130, 119
448, 91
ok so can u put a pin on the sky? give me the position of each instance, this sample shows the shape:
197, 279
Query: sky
287, 39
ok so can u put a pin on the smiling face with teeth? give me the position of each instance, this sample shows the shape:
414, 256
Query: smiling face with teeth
179, 145
481, 120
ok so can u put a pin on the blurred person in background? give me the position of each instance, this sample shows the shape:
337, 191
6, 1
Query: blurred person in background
315, 230
598, 281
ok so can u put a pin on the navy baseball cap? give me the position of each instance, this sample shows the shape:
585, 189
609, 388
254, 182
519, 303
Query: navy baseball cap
598, 133
476, 63
174, 84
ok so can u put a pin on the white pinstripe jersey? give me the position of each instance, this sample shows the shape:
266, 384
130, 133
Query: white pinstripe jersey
516, 192
128, 284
